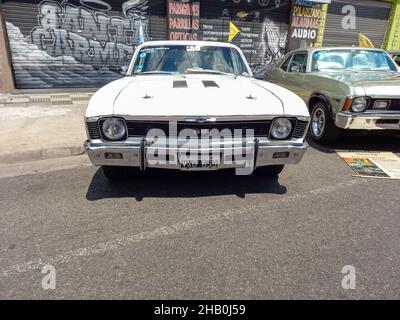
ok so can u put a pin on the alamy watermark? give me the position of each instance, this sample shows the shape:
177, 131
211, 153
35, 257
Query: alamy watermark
349, 20
349, 278
49, 280
202, 148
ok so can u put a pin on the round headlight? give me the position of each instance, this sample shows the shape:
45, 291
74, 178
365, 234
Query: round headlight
114, 129
281, 128
359, 104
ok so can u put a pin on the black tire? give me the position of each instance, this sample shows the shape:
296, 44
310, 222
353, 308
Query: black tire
322, 128
274, 170
115, 172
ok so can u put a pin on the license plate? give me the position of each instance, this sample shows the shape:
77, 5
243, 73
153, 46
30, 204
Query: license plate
198, 163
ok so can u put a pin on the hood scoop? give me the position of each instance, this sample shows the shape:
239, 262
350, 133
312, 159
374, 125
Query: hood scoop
210, 84
179, 84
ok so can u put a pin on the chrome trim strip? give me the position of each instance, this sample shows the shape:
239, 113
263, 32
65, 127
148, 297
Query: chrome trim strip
217, 117
131, 155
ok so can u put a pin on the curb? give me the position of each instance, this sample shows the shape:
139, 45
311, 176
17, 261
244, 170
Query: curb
26, 100
13, 157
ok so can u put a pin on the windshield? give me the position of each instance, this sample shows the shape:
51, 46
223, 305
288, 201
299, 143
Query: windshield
356, 60
181, 59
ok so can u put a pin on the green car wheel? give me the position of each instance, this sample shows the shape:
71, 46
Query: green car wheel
322, 128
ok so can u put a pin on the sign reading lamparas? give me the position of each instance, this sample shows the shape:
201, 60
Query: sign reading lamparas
305, 23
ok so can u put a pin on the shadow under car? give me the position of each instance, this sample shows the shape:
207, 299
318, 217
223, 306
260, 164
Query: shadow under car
173, 183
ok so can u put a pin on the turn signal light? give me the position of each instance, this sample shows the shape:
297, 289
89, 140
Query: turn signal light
280, 155
347, 104
109, 155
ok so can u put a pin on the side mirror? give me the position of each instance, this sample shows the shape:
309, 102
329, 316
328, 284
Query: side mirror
124, 70
258, 76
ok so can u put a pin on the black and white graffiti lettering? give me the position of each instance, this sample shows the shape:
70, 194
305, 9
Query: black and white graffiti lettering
89, 36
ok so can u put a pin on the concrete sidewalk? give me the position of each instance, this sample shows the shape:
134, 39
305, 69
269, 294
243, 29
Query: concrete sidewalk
35, 130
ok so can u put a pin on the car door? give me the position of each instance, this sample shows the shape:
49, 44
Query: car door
295, 74
278, 74
291, 73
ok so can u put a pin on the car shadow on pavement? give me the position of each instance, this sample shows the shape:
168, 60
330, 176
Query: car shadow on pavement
356, 141
167, 184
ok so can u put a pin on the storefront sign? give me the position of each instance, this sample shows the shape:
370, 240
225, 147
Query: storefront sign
183, 19
322, 23
393, 33
305, 23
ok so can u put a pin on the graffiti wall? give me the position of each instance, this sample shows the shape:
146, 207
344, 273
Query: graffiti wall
88, 43
78, 43
262, 27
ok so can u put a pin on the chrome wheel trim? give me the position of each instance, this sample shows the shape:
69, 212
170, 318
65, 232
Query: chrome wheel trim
318, 122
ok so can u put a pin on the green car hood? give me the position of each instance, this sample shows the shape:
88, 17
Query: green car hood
382, 83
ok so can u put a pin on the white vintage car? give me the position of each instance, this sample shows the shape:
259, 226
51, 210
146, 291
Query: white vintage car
194, 106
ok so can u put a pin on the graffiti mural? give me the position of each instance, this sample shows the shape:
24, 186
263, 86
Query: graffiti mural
88, 43
76, 43
263, 27
273, 42
87, 34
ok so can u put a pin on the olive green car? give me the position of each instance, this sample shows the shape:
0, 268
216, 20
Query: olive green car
396, 56
345, 88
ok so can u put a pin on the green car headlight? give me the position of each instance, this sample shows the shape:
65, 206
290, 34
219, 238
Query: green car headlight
359, 104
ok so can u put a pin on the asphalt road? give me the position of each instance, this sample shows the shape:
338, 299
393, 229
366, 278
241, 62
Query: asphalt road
172, 235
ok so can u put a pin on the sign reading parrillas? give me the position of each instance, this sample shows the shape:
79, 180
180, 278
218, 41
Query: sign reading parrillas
183, 19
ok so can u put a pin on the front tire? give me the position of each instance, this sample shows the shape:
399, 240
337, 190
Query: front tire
272, 171
115, 172
322, 128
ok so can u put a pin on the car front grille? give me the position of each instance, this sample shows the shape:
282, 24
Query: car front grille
142, 128
394, 104
300, 129
93, 130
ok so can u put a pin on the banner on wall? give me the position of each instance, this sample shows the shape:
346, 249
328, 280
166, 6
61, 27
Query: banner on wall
183, 19
305, 23
392, 41
259, 28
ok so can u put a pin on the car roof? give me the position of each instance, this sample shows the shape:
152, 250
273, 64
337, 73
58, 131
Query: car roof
334, 48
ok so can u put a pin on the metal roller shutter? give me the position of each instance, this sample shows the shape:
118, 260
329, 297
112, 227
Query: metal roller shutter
372, 19
77, 43
263, 26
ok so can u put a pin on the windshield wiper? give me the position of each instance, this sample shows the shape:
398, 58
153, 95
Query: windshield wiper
160, 72
201, 70
157, 72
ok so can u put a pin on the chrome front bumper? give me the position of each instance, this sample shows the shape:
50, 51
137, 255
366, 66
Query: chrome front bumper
133, 154
368, 121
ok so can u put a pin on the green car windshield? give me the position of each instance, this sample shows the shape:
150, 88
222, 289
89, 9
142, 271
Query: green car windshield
352, 60
181, 59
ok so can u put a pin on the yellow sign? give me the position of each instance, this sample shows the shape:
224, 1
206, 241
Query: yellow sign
322, 22
364, 41
233, 31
